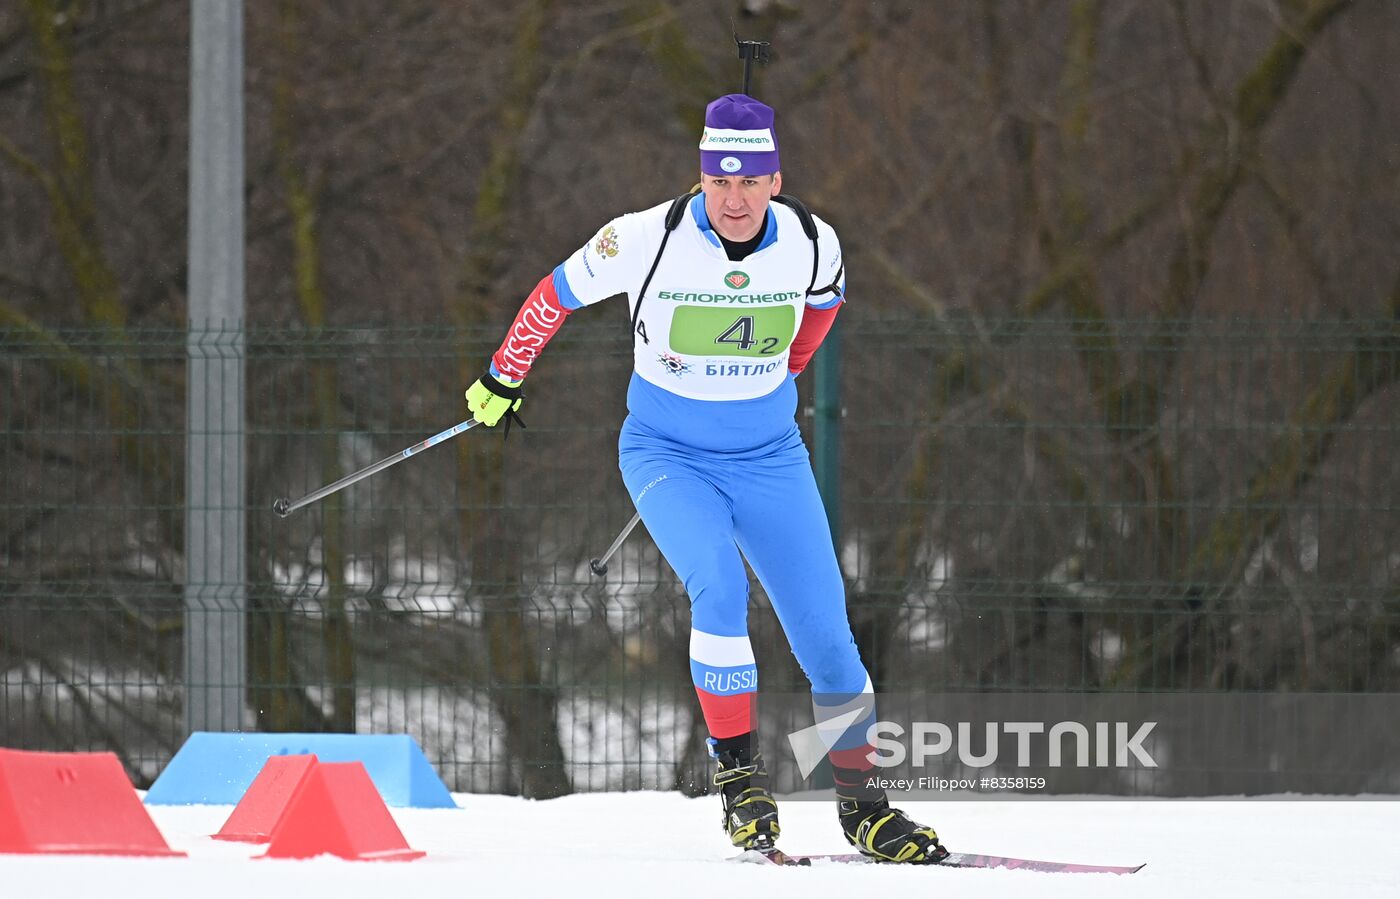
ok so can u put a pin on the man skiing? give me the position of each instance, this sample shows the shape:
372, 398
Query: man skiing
732, 290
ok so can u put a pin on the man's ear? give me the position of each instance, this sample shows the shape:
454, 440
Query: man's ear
777, 184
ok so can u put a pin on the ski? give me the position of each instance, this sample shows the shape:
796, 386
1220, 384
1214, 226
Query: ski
954, 860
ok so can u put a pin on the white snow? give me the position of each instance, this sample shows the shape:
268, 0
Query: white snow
611, 845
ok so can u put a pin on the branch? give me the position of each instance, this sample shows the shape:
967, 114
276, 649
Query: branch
683, 70
1217, 561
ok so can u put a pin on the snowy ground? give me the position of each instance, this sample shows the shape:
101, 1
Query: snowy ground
655, 844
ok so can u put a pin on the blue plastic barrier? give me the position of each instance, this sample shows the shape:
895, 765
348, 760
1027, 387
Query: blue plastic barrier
216, 768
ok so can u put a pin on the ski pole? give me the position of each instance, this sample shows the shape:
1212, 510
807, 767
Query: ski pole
600, 566
284, 507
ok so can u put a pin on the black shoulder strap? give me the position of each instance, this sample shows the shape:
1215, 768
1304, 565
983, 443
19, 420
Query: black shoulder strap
673, 221
673, 215
809, 227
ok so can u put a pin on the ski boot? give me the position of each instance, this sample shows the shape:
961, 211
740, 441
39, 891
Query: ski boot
886, 834
750, 812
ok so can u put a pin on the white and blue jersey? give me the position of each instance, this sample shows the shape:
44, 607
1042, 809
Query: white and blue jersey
710, 366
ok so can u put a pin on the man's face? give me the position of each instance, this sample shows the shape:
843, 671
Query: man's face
736, 203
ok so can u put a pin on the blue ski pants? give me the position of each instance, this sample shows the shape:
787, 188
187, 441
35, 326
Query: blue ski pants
708, 511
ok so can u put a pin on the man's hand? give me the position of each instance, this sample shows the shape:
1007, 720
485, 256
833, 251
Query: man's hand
490, 399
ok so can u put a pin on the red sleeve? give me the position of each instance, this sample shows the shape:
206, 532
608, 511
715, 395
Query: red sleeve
538, 320
810, 334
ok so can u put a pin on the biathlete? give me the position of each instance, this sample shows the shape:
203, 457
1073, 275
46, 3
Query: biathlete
732, 289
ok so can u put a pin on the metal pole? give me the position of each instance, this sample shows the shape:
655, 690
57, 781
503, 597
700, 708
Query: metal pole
826, 461
215, 461
826, 430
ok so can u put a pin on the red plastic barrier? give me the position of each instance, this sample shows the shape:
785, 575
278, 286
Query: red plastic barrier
73, 802
337, 811
268, 797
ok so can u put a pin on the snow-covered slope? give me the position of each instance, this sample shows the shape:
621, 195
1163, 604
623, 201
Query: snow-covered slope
634, 845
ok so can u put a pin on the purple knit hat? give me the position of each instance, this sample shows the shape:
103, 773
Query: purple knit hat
738, 138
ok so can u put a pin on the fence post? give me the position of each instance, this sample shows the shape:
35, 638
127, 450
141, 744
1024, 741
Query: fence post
826, 462
215, 462
826, 430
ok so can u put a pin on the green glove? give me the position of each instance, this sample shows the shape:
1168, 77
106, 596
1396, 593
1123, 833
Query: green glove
490, 399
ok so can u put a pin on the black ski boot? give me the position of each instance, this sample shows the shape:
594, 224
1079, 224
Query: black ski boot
886, 834
750, 812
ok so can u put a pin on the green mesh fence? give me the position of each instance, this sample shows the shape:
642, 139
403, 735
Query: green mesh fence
1043, 505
